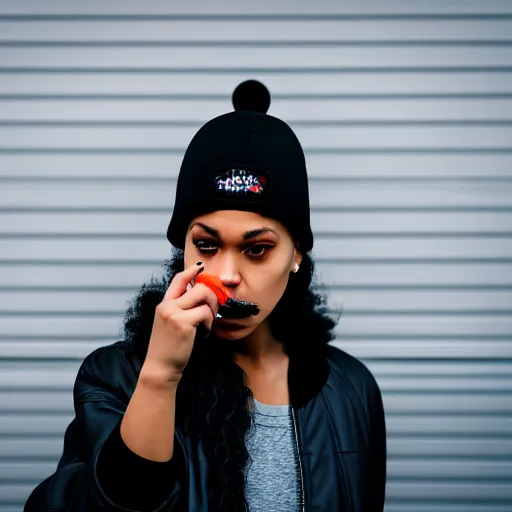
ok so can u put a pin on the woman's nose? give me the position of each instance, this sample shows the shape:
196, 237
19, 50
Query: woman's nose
229, 278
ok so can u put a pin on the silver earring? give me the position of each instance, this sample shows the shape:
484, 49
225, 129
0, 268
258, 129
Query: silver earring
296, 269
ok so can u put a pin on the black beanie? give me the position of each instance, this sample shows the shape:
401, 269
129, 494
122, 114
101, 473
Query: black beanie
244, 160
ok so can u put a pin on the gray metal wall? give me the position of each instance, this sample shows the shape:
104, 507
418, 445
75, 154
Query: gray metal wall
405, 112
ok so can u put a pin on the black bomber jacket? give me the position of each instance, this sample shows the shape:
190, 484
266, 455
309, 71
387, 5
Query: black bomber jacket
339, 429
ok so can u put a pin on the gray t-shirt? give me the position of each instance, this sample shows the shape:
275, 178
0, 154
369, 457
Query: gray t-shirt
272, 474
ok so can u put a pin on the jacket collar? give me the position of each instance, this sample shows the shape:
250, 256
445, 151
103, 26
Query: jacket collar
308, 371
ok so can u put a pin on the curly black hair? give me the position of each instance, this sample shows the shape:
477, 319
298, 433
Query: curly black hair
219, 415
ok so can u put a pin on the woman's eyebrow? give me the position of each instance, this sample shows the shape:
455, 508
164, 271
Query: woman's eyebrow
247, 236
256, 232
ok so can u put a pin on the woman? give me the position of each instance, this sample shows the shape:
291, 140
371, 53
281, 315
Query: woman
196, 411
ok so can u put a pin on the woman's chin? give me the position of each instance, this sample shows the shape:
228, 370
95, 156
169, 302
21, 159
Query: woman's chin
231, 329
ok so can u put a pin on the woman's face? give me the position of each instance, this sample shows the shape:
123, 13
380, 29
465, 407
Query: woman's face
253, 256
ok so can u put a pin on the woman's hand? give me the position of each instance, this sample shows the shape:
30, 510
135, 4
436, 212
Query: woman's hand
176, 320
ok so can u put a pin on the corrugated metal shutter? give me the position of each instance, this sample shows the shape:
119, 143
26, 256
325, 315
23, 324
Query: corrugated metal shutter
405, 111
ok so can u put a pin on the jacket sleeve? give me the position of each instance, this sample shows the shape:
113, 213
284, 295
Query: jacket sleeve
378, 448
97, 472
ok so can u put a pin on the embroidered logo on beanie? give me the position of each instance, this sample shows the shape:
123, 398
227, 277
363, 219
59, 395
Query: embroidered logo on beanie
240, 184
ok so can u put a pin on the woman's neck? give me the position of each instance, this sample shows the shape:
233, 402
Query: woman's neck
259, 349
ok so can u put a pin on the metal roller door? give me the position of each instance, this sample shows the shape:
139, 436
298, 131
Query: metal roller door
405, 113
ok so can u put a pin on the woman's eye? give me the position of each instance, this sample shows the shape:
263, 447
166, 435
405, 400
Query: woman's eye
259, 250
204, 246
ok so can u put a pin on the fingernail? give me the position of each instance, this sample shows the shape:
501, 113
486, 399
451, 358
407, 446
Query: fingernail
199, 263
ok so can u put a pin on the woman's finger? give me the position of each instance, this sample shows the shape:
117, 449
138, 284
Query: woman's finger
200, 314
179, 283
198, 294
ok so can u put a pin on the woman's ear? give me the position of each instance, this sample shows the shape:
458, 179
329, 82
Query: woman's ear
297, 256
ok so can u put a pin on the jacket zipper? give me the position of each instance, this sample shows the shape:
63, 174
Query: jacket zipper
302, 493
